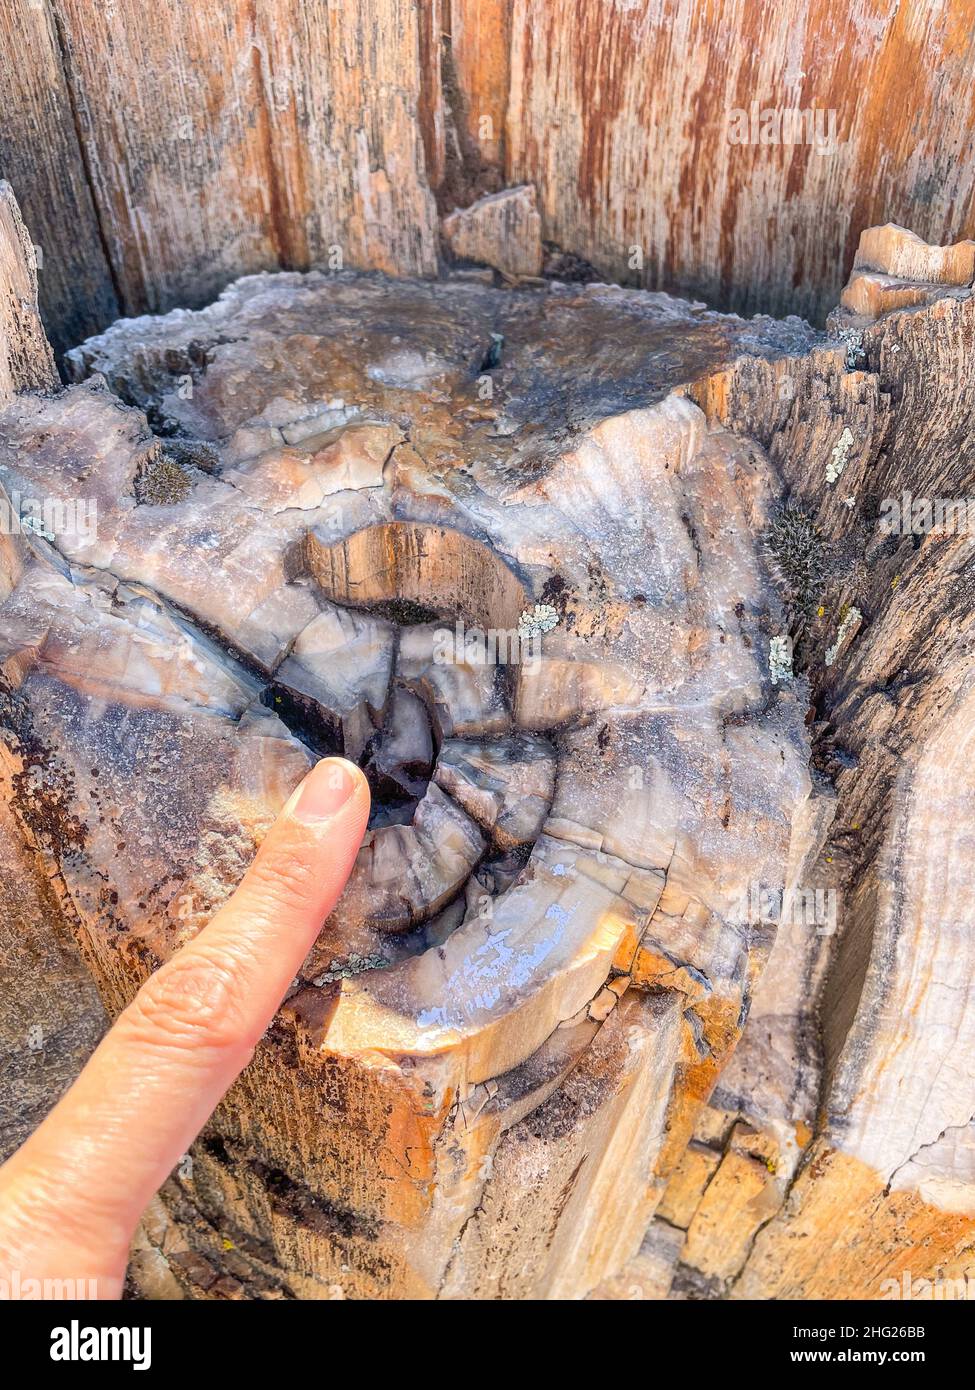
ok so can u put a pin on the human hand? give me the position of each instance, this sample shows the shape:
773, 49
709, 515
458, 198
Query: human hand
72, 1195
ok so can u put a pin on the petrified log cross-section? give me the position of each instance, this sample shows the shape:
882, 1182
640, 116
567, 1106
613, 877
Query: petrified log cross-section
319, 504
325, 486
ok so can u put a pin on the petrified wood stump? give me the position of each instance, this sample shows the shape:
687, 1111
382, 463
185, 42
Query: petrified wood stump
514, 552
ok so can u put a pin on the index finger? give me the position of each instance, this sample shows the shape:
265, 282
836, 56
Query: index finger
92, 1166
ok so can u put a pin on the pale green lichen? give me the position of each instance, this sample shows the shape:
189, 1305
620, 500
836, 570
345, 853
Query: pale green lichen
36, 527
349, 966
534, 621
852, 339
851, 619
840, 455
780, 660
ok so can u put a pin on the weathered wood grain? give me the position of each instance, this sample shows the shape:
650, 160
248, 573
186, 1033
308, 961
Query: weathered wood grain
41, 157
26, 362
620, 114
225, 139
869, 1103
480, 48
239, 138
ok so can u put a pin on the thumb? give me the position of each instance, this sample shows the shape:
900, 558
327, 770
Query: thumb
153, 1081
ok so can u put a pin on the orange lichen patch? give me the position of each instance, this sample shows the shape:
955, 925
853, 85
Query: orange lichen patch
803, 1133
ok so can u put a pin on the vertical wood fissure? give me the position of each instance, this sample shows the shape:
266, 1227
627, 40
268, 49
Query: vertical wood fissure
64, 58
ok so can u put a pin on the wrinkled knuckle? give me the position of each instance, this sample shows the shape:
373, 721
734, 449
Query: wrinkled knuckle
285, 883
31, 1206
43, 1209
190, 1002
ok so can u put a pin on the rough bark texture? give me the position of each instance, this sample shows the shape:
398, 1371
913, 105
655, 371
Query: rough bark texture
159, 151
52, 1016
540, 1050
26, 361
43, 153
884, 1188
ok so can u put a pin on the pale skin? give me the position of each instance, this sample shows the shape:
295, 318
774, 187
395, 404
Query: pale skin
72, 1195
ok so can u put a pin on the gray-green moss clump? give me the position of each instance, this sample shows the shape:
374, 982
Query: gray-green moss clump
797, 553
161, 481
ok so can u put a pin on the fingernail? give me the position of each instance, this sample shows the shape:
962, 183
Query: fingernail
324, 791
